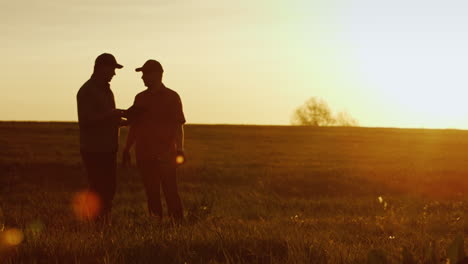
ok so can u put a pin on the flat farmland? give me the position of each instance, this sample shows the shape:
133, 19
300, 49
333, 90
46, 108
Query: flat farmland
251, 194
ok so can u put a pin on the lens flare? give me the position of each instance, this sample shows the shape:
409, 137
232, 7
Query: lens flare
180, 159
12, 237
86, 205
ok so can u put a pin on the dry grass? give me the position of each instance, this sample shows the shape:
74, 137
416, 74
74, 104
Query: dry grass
252, 194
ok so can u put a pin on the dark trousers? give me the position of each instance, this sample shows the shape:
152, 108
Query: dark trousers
101, 170
155, 175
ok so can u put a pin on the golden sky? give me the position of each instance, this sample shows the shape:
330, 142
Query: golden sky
395, 64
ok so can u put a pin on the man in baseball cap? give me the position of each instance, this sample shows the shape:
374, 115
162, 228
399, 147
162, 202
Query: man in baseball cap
151, 66
107, 59
99, 122
159, 137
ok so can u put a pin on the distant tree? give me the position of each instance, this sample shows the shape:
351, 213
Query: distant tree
345, 119
314, 112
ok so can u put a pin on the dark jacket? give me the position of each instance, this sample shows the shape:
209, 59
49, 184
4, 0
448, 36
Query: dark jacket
98, 132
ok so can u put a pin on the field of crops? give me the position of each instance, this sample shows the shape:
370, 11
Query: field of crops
251, 194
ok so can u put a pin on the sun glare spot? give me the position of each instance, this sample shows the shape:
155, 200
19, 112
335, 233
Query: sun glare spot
180, 159
12, 237
86, 205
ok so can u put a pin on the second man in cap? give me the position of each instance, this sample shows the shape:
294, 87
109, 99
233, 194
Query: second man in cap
158, 135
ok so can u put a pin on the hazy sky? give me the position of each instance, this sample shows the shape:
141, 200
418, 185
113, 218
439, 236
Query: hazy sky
387, 63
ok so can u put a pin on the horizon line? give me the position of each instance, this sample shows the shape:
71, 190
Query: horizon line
250, 124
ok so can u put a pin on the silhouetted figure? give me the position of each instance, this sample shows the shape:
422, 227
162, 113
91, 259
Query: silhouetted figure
99, 122
158, 134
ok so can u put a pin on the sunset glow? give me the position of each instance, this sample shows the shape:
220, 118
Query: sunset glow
392, 64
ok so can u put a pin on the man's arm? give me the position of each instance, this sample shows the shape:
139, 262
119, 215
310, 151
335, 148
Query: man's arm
179, 130
87, 114
180, 138
180, 154
180, 121
113, 115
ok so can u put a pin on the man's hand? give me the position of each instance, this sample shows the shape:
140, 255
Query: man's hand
117, 113
124, 122
126, 158
133, 113
180, 157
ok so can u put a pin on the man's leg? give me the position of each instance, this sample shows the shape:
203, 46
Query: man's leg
169, 184
151, 181
107, 183
101, 172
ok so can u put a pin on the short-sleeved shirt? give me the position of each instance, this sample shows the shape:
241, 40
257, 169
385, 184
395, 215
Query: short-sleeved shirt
95, 98
156, 126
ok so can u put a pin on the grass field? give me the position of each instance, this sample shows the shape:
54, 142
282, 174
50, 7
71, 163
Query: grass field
251, 194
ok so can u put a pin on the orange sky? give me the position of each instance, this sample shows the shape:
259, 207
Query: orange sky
243, 62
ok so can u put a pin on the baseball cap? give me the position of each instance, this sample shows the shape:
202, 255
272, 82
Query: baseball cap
150, 66
107, 59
